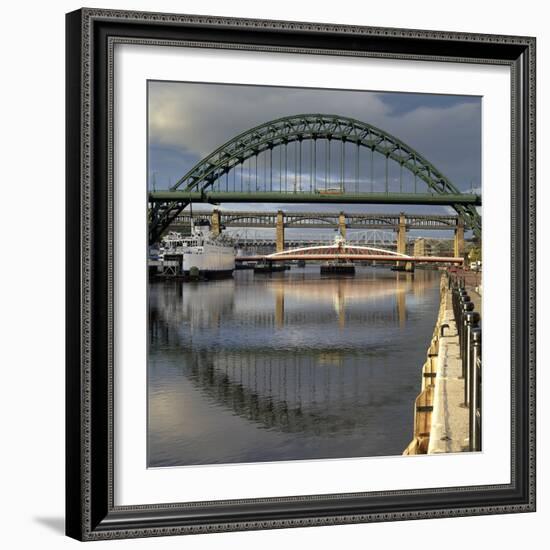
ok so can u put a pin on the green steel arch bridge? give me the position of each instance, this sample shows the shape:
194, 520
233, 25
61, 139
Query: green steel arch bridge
312, 158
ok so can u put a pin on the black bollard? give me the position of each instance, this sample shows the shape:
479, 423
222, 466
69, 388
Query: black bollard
464, 299
471, 320
475, 391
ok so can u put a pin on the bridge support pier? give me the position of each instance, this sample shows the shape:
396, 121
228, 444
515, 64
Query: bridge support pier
280, 232
215, 223
459, 238
409, 267
342, 224
402, 236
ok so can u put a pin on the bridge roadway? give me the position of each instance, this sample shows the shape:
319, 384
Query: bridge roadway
316, 220
216, 197
358, 257
245, 243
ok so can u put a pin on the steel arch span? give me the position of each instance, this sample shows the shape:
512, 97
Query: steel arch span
338, 249
298, 128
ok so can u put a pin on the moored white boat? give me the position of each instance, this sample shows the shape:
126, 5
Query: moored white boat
200, 253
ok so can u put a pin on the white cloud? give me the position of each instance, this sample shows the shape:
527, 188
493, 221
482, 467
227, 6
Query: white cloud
199, 118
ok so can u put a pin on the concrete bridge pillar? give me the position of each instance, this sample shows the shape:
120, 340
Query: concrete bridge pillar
215, 223
280, 232
459, 238
402, 235
342, 225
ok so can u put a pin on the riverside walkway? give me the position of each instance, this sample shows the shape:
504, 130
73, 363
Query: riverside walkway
443, 416
450, 420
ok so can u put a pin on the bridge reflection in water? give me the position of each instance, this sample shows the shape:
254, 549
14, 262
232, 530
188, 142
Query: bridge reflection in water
286, 367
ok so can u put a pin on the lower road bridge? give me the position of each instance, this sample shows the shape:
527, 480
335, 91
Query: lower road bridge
341, 251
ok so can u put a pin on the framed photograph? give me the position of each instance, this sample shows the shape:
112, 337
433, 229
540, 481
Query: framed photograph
300, 274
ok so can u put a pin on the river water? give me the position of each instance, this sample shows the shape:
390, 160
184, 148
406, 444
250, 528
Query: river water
286, 366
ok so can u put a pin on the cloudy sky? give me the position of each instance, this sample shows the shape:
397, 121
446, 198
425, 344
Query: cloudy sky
187, 121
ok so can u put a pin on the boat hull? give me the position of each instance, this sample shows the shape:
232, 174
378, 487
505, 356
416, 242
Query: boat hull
209, 260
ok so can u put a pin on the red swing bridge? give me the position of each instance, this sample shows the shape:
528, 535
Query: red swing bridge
340, 251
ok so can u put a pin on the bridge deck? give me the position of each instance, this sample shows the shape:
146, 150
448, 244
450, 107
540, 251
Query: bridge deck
357, 257
447, 199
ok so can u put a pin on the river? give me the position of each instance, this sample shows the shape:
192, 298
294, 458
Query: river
286, 366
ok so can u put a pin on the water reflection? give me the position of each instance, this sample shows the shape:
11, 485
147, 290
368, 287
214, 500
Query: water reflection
286, 367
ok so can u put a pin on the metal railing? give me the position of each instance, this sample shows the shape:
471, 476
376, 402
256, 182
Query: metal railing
469, 336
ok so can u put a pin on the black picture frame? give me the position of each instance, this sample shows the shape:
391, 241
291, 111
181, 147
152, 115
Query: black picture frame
90, 510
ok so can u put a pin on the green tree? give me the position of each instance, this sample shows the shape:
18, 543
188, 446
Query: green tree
475, 254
